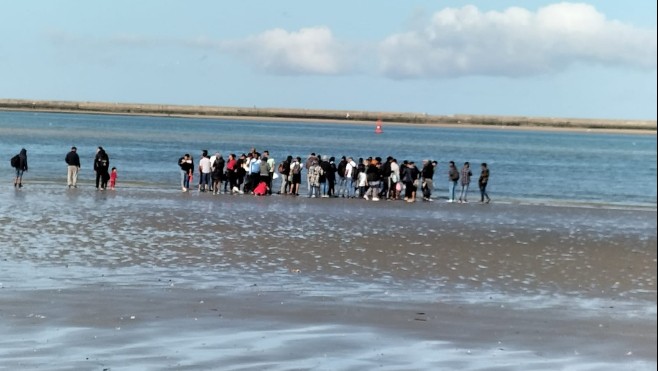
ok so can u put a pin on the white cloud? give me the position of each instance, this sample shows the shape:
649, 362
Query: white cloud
307, 51
515, 42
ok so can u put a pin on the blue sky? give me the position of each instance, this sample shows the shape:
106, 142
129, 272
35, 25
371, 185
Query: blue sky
529, 58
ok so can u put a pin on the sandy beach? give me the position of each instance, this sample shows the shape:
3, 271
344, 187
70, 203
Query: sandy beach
152, 279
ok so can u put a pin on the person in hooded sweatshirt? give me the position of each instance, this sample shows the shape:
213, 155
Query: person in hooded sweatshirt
102, 167
20, 168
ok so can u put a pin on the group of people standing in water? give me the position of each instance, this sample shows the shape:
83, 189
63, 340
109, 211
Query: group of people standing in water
372, 178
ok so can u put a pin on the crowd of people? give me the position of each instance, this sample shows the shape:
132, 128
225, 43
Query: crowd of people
371, 178
255, 173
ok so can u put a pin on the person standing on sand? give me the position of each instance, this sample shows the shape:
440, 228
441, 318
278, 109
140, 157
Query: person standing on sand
410, 178
482, 183
295, 176
394, 180
204, 172
373, 176
350, 178
429, 167
102, 167
217, 168
386, 178
284, 171
465, 182
314, 174
73, 166
186, 169
231, 173
342, 181
19, 163
113, 178
453, 178
331, 177
265, 172
307, 165
271, 163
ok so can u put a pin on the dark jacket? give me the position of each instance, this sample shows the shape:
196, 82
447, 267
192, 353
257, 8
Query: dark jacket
373, 173
72, 159
428, 171
102, 161
22, 157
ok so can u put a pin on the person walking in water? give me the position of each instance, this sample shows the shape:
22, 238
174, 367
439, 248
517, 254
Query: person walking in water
465, 181
73, 166
482, 183
19, 163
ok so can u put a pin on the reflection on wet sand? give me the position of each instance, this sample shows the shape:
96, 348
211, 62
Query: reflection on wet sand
296, 275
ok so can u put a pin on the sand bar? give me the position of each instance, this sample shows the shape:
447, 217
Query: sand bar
340, 116
154, 279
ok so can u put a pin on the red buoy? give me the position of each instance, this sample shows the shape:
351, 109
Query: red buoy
378, 128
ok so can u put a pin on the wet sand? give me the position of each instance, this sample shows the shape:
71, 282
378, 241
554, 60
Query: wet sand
151, 279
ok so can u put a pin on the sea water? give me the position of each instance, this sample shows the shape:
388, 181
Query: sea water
525, 165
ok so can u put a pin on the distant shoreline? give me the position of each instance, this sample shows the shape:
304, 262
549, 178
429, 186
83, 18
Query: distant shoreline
345, 116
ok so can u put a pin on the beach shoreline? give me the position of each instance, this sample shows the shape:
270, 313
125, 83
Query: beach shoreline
347, 117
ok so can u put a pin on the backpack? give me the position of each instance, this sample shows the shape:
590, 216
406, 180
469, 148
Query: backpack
15, 161
296, 169
341, 168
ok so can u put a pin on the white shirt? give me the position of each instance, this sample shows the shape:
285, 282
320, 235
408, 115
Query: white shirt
395, 169
204, 164
349, 168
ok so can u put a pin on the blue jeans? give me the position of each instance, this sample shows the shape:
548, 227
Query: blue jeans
451, 190
315, 191
184, 179
351, 189
464, 192
342, 184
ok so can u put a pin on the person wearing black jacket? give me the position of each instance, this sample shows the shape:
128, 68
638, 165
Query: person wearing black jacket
428, 183
73, 161
410, 179
386, 177
101, 167
20, 167
373, 177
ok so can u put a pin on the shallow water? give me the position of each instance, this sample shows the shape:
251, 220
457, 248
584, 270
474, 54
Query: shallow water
525, 165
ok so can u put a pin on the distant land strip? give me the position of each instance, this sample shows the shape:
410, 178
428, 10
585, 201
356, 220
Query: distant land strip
336, 115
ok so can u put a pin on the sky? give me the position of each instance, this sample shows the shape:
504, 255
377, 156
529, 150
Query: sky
487, 57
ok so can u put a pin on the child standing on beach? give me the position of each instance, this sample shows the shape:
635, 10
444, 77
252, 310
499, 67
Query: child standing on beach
113, 178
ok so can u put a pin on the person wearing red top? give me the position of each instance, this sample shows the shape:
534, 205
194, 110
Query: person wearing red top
231, 172
113, 178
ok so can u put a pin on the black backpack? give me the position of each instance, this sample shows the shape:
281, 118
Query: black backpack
341, 168
355, 173
15, 161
